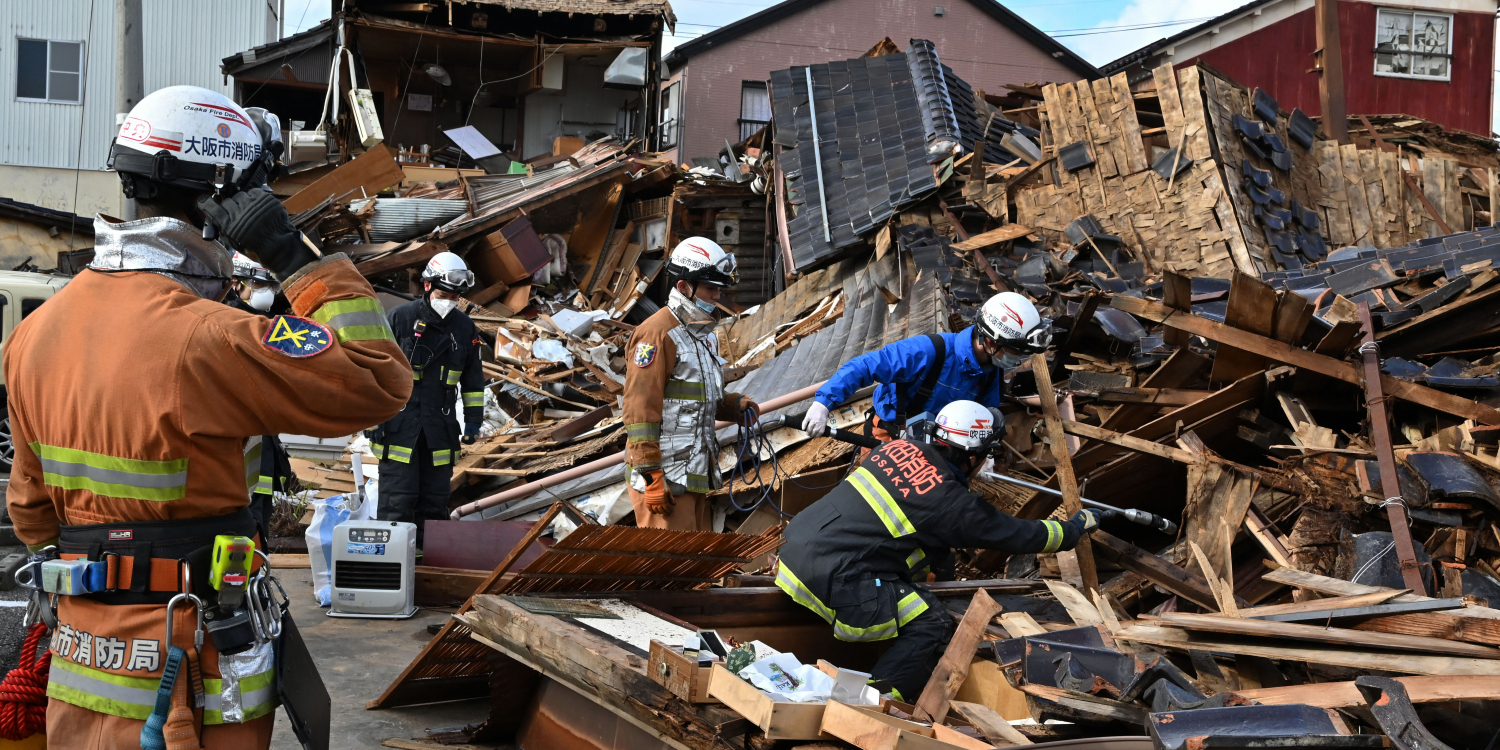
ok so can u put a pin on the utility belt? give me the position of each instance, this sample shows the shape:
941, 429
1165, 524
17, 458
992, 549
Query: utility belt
142, 562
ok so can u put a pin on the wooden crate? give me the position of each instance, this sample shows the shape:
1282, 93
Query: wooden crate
779, 720
868, 728
681, 676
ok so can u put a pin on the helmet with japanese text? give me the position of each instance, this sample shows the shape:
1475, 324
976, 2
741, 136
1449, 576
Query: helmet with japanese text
699, 259
246, 269
1012, 321
449, 273
965, 426
196, 139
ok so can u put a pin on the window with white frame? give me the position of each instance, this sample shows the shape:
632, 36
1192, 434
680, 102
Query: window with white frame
1413, 44
669, 107
48, 71
755, 107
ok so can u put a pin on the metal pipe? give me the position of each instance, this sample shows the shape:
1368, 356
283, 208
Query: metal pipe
604, 463
1141, 517
817, 153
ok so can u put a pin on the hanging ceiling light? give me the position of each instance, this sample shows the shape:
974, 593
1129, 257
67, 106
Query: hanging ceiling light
438, 74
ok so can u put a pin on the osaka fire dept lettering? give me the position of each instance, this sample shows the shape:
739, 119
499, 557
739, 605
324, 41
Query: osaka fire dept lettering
104, 652
907, 469
223, 148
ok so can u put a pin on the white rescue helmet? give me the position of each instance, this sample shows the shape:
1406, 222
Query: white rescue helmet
964, 425
449, 273
1011, 320
194, 138
246, 269
699, 259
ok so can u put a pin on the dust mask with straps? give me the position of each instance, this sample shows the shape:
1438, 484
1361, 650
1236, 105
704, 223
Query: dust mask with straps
261, 298
443, 306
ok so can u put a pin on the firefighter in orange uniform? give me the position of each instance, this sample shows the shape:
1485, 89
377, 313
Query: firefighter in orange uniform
674, 392
133, 394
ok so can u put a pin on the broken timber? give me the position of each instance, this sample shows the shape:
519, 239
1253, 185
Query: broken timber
1301, 358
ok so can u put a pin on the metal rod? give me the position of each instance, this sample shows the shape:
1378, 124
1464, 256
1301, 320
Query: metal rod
817, 153
608, 461
1131, 514
1390, 484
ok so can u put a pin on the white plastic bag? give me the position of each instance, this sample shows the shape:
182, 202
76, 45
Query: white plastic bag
783, 676
327, 513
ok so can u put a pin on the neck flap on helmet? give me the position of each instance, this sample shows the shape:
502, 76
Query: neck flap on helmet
166, 246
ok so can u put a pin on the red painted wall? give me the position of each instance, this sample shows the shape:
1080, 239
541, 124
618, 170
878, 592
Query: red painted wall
1277, 58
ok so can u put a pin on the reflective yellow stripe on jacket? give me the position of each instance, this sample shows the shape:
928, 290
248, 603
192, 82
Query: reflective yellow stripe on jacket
72, 469
881, 502
358, 319
257, 697
1054, 536
793, 587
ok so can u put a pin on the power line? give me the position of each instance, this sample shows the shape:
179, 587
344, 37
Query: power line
1088, 31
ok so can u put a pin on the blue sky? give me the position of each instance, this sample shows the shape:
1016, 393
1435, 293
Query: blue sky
1098, 30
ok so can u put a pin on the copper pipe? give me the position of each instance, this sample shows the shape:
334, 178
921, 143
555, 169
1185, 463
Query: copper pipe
606, 462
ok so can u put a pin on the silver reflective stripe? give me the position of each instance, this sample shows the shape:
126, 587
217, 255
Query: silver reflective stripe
359, 318
911, 606
113, 476
252, 699
68, 678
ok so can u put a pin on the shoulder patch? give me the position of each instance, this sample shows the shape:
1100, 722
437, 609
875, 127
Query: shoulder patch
297, 337
645, 354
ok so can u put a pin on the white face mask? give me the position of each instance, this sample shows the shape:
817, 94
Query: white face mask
1010, 361
261, 298
443, 306
707, 307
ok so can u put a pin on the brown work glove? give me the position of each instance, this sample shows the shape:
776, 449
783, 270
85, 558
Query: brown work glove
734, 406
658, 497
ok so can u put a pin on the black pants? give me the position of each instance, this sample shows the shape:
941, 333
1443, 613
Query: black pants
914, 653
415, 492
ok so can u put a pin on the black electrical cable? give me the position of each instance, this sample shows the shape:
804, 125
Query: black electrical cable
752, 439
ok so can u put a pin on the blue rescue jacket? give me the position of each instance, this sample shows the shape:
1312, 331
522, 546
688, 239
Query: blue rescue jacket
905, 363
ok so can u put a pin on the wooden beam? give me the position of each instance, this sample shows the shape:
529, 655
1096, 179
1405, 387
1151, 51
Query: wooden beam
1163, 396
990, 724
992, 237
953, 668
1436, 625
1342, 657
1160, 450
1318, 605
1336, 636
1155, 569
1067, 482
1330, 60
372, 171
1301, 358
1420, 689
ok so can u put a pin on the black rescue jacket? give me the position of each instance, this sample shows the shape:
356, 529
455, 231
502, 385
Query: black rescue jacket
901, 509
445, 361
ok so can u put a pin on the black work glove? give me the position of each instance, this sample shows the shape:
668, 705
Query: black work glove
1087, 520
471, 433
256, 223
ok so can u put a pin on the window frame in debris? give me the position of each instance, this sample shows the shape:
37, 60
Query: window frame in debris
749, 126
670, 129
49, 70
1383, 16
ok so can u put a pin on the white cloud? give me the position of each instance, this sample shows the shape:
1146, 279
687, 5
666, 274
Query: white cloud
1100, 48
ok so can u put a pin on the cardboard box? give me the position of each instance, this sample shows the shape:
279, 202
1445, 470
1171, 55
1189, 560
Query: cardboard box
565, 145
683, 677
509, 256
780, 720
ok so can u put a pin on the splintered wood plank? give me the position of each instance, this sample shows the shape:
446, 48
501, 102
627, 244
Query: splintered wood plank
1195, 121
1420, 689
1433, 174
1293, 314
1078, 606
1229, 221
1020, 624
1052, 97
1252, 307
1436, 625
1335, 204
1128, 125
1171, 104
1101, 131
1354, 191
1154, 568
1380, 225
990, 724
1394, 190
1177, 293
1067, 482
953, 668
1343, 657
1320, 634
1217, 499
1453, 196
1291, 355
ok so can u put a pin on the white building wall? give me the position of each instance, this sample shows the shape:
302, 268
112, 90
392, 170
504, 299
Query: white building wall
41, 144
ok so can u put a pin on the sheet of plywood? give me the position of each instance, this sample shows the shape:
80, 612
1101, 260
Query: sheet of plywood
374, 171
1128, 126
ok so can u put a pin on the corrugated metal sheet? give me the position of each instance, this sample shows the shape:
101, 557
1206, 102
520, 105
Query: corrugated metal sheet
184, 41
401, 219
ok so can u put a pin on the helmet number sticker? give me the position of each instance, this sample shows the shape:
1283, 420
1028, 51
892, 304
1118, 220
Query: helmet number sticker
297, 337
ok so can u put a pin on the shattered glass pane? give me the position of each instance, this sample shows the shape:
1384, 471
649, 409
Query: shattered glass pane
1402, 36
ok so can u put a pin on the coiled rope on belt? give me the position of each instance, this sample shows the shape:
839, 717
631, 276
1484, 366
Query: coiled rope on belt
23, 692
